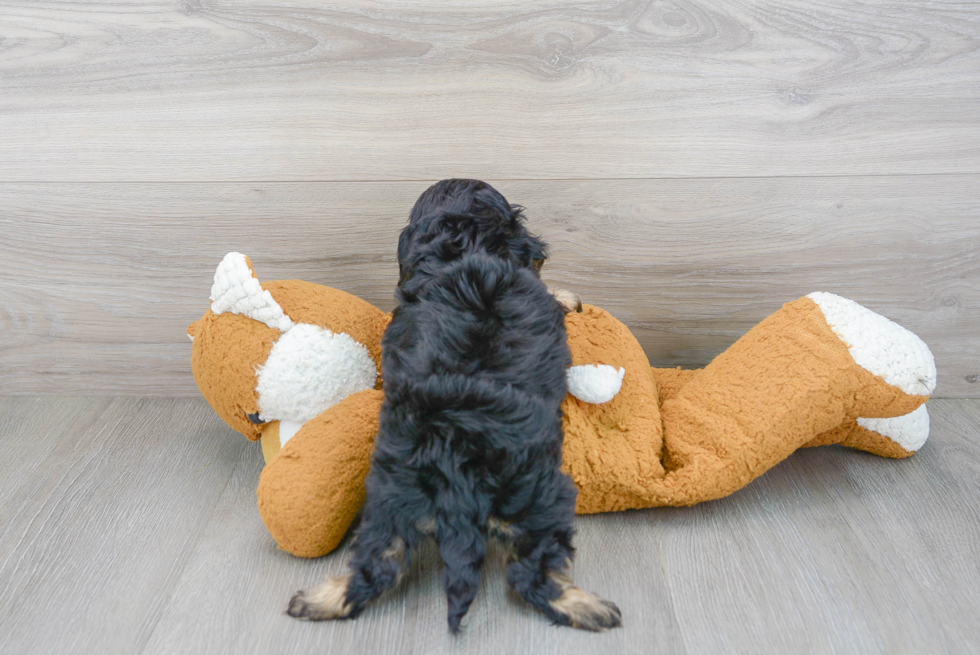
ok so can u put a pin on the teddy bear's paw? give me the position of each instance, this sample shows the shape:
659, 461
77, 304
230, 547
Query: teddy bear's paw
909, 431
595, 383
323, 602
880, 346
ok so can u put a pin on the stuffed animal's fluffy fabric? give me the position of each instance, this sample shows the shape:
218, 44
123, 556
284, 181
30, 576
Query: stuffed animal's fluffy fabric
821, 370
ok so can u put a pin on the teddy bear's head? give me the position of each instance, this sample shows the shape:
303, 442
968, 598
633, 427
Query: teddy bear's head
269, 357
282, 351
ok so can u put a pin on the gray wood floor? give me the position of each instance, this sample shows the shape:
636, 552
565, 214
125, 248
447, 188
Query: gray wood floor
129, 526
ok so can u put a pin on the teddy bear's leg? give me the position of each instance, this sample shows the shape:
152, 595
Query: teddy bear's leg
670, 381
801, 372
896, 437
883, 352
311, 491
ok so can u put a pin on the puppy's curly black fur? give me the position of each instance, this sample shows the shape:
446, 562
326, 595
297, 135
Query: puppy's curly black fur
470, 439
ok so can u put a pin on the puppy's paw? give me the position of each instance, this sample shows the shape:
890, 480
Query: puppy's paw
569, 300
323, 602
585, 611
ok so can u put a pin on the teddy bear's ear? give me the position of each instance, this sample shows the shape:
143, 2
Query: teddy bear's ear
236, 289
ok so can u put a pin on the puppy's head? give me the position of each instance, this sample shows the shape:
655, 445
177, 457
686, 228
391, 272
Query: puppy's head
455, 217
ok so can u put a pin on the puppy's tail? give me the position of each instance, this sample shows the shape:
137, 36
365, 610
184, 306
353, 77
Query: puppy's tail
463, 547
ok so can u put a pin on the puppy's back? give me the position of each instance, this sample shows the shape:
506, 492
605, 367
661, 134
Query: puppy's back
481, 318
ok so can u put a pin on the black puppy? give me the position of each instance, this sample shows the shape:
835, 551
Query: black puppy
470, 439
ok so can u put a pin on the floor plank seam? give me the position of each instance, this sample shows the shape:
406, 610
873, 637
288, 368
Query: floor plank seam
178, 575
25, 550
671, 600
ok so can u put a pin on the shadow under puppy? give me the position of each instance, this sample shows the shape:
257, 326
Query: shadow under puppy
470, 439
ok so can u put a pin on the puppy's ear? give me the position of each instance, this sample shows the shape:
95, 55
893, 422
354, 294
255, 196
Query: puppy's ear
533, 252
405, 267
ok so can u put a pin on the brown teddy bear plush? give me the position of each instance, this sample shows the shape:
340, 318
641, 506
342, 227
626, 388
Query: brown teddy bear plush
298, 365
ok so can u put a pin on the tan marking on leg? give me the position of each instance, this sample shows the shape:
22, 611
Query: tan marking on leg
396, 551
569, 300
500, 527
584, 611
426, 525
323, 602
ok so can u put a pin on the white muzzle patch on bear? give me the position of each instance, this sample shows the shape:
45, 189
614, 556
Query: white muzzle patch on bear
309, 370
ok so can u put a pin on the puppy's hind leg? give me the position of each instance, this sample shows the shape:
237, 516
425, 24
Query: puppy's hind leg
378, 565
541, 555
325, 601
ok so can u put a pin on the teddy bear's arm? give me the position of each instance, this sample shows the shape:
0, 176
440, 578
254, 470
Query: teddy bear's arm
595, 383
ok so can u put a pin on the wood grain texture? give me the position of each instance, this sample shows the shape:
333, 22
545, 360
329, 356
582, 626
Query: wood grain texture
93, 542
834, 551
34, 425
938, 548
309, 90
138, 533
101, 280
236, 572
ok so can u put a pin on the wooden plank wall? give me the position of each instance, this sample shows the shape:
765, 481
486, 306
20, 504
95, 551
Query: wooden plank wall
693, 165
